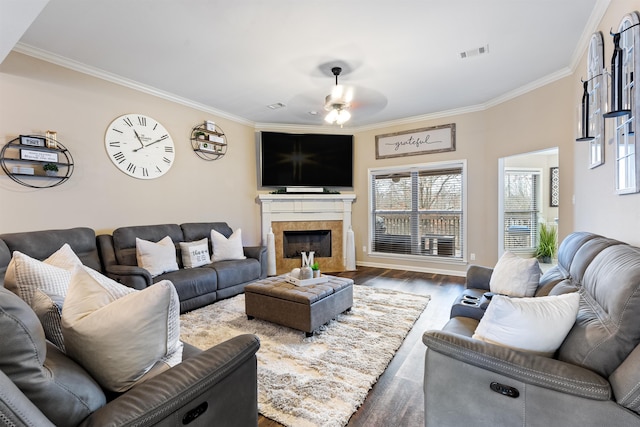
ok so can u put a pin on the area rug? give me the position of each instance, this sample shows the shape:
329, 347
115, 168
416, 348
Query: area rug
323, 379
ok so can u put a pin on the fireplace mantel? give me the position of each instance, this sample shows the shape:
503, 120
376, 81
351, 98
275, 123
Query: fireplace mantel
307, 208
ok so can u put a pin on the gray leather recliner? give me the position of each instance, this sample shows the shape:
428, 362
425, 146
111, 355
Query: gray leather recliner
594, 377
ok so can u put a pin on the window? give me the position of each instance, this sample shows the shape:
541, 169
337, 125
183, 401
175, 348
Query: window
521, 208
626, 156
597, 95
418, 210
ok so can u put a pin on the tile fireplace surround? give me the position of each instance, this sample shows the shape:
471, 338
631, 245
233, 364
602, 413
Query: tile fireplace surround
294, 212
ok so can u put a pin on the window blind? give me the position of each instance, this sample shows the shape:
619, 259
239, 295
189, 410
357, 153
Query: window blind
418, 211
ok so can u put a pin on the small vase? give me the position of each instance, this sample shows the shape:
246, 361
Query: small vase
306, 273
316, 274
50, 173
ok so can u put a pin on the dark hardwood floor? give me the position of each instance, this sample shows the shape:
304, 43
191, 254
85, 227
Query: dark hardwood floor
397, 398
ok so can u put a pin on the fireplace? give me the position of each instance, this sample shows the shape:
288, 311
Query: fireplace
316, 241
308, 213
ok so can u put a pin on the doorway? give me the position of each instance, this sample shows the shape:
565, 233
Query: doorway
528, 188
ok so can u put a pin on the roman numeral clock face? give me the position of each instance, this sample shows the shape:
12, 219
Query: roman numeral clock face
139, 146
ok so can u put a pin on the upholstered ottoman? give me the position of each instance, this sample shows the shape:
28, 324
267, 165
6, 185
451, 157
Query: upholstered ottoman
299, 307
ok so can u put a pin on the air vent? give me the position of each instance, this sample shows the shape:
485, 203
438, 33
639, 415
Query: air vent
276, 105
474, 52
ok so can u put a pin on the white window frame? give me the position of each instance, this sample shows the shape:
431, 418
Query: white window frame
627, 158
462, 164
597, 99
539, 196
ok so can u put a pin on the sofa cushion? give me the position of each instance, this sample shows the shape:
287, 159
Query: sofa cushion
59, 387
156, 257
195, 254
191, 282
124, 239
227, 248
41, 244
142, 337
199, 230
537, 325
234, 272
606, 330
515, 276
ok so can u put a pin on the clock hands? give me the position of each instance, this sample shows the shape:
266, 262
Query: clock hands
151, 143
140, 140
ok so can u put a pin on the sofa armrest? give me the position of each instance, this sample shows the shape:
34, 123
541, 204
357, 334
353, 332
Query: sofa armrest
478, 277
218, 386
16, 409
129, 275
259, 253
526, 367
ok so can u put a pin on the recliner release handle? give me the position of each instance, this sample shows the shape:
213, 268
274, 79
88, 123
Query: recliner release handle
505, 390
194, 413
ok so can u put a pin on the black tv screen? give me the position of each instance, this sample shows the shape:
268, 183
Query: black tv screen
306, 160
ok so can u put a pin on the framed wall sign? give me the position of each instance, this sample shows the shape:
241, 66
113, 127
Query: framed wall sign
42, 156
436, 139
554, 187
33, 141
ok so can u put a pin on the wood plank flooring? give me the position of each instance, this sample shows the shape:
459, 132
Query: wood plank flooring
396, 400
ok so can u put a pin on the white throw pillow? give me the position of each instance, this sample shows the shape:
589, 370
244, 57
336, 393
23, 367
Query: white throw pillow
537, 325
225, 249
123, 341
515, 276
195, 254
157, 258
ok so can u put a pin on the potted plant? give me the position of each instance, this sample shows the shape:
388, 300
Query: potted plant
316, 269
547, 243
50, 169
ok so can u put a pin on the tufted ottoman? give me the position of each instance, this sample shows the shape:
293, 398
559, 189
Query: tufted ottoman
298, 307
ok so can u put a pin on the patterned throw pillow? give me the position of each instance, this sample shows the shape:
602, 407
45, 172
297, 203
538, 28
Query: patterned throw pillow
195, 254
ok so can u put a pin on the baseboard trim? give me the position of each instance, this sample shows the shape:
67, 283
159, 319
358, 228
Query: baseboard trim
417, 269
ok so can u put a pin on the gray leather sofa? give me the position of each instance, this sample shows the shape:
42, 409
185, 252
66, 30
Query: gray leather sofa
196, 287
594, 377
41, 386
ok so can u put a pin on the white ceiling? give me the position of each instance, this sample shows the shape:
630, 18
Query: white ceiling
234, 58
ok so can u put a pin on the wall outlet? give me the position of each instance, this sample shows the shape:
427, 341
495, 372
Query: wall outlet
364, 249
472, 257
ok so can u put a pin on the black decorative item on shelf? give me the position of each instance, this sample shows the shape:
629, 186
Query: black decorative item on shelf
36, 161
208, 141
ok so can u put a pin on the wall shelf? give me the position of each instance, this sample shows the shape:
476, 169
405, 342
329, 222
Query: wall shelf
24, 163
208, 144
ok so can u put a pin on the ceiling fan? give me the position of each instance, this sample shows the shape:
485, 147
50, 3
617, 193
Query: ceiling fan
338, 102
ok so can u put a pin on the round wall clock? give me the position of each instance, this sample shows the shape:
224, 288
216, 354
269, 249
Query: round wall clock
139, 146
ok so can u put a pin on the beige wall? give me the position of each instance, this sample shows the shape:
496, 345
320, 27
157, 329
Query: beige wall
597, 208
538, 120
37, 96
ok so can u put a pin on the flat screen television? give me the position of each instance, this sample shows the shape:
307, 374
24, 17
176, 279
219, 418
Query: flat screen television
306, 160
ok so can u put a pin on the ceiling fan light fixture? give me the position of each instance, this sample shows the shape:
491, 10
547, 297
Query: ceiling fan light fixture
338, 102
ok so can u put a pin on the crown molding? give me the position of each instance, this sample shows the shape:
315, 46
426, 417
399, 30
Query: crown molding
113, 78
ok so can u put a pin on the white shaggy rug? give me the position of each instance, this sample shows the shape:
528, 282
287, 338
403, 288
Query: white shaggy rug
321, 380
